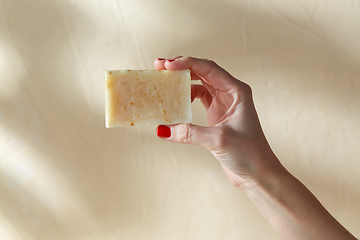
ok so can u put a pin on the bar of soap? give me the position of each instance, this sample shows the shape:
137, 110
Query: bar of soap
147, 97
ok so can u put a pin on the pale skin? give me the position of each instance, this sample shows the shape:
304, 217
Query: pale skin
235, 138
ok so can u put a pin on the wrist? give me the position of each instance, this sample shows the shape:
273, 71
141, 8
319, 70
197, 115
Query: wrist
265, 176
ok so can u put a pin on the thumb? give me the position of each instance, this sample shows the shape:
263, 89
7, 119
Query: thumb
188, 133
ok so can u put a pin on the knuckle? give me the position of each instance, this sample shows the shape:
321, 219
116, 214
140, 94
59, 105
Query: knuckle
247, 89
243, 91
211, 63
186, 58
185, 133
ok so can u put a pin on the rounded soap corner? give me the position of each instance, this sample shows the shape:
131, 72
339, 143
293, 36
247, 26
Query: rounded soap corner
108, 125
187, 71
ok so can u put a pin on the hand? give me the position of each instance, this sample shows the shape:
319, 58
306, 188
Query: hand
236, 139
234, 135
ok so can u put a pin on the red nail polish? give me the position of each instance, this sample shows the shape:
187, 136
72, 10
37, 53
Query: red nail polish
161, 59
171, 60
163, 131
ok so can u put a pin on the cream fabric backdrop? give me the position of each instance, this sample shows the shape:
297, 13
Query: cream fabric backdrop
64, 176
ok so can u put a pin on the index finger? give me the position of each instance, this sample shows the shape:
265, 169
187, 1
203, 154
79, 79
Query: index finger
208, 70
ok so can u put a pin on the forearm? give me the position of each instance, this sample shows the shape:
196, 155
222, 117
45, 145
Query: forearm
292, 210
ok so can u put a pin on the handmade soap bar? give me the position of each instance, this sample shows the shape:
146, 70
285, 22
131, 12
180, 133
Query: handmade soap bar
145, 97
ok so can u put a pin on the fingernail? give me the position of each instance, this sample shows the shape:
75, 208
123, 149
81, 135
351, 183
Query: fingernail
161, 59
171, 60
163, 131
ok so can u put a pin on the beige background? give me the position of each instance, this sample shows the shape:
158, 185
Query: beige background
64, 176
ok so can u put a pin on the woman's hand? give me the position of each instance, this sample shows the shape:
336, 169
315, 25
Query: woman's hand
234, 135
236, 139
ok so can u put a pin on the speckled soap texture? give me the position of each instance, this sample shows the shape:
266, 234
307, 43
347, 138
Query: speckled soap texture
147, 97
